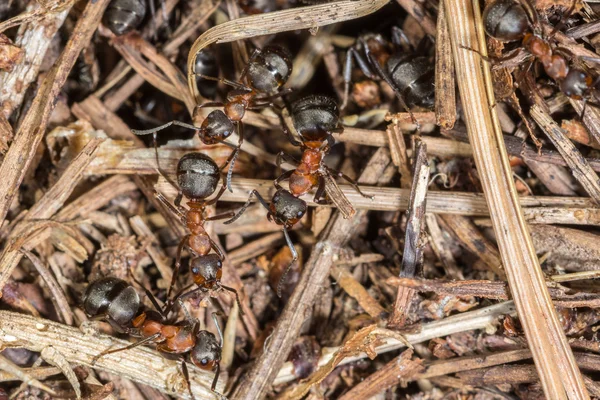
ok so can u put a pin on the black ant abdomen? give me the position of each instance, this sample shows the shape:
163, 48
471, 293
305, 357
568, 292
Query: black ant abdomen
197, 175
113, 299
269, 70
505, 20
315, 116
122, 16
576, 84
206, 64
415, 78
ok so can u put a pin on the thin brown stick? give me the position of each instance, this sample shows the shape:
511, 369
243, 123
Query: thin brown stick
445, 85
412, 257
264, 370
28, 137
559, 374
417, 11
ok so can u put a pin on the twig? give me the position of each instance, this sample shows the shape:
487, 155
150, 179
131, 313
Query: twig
471, 320
277, 22
445, 85
142, 364
438, 202
28, 137
417, 11
8, 366
357, 291
559, 374
582, 171
412, 257
264, 370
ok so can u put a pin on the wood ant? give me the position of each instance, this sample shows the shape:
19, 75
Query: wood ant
412, 78
123, 16
508, 21
315, 118
117, 302
264, 74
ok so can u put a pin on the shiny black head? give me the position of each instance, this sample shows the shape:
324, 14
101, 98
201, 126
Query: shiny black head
270, 69
122, 16
206, 64
197, 176
414, 78
207, 269
285, 209
206, 354
314, 117
505, 20
577, 84
113, 298
216, 127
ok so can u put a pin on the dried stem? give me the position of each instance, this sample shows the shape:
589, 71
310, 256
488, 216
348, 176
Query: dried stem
559, 374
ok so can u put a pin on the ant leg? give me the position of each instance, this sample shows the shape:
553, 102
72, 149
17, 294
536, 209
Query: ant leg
214, 318
161, 127
237, 299
245, 206
177, 264
186, 375
234, 154
563, 20
171, 303
220, 216
158, 167
319, 193
284, 126
282, 177
294, 259
224, 81
283, 157
148, 294
351, 54
218, 196
147, 340
213, 387
399, 39
351, 181
211, 104
217, 249
255, 54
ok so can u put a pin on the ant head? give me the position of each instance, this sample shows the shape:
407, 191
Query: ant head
314, 117
207, 270
123, 16
415, 78
576, 84
112, 297
505, 20
206, 354
287, 209
270, 69
216, 127
197, 176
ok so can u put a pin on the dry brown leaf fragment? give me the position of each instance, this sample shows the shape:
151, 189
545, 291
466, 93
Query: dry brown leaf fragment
10, 54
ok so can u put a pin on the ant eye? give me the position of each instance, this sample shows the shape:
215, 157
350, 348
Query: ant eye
204, 361
195, 271
219, 264
300, 213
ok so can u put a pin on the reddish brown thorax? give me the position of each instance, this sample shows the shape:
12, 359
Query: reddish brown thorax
306, 175
172, 338
379, 50
555, 65
199, 241
201, 281
236, 109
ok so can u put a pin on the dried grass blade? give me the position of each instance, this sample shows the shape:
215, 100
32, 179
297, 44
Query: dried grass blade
559, 374
279, 21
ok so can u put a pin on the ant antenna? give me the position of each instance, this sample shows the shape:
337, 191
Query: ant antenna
214, 318
237, 297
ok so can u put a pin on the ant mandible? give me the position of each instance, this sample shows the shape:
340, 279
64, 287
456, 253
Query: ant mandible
508, 21
265, 73
117, 302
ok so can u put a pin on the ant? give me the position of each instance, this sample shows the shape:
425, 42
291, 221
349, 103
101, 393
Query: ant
508, 21
412, 78
265, 73
123, 16
118, 302
197, 179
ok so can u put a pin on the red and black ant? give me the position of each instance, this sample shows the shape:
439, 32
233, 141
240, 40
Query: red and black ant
265, 73
411, 77
117, 302
315, 118
509, 21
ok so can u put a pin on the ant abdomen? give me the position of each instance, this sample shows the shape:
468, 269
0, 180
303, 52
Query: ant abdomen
287, 209
207, 269
206, 354
112, 298
122, 16
415, 78
216, 127
206, 64
197, 176
576, 84
270, 69
505, 20
314, 116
